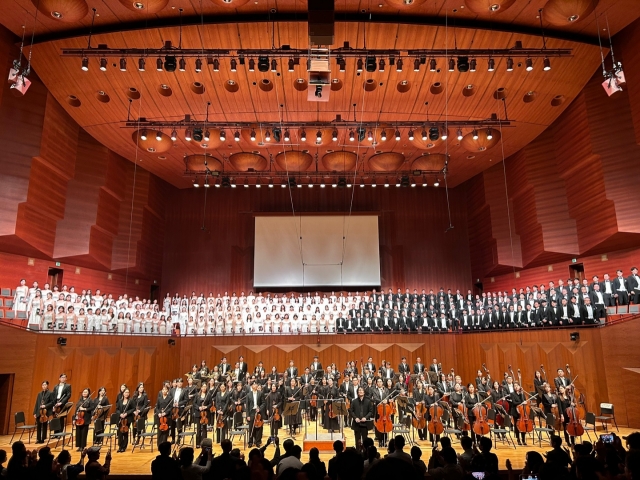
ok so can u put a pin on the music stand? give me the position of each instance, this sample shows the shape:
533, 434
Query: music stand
340, 407
291, 410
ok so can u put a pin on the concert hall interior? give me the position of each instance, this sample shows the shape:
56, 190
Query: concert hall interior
450, 186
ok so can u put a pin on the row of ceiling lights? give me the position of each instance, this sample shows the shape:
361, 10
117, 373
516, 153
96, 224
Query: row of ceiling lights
342, 182
369, 63
433, 134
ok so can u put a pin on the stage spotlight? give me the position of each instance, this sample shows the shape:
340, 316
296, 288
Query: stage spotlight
411, 137
236, 136
267, 136
197, 134
397, 135
574, 336
472, 65
196, 183
274, 65
386, 182
509, 64
459, 134
198, 65
359, 65
436, 183
475, 134
424, 135
216, 65
489, 134
187, 135
158, 135
85, 64
529, 64
141, 64
370, 64
270, 183
258, 183
310, 185
103, 64
399, 65
174, 135
206, 135
351, 136
123, 64
434, 133
170, 63
342, 64
370, 136
263, 64
246, 183
182, 65
381, 65
452, 65
362, 183
463, 64
252, 65
206, 182
383, 136
62, 341
234, 65
284, 184
432, 65
416, 65
303, 135
322, 184
290, 64
143, 135
159, 64
171, 342
223, 137
334, 136
253, 135
547, 64
318, 136
444, 135
492, 65
405, 181
287, 137
277, 134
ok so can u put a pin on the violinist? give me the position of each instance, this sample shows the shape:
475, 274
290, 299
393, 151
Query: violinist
455, 399
378, 396
539, 383
312, 399
361, 413
124, 408
61, 395
44, 405
330, 415
141, 402
517, 397
191, 389
163, 412
237, 399
201, 403
549, 400
292, 394
431, 398
419, 394
222, 403
180, 399
99, 413
254, 406
84, 407
565, 402
471, 399
274, 402
123, 387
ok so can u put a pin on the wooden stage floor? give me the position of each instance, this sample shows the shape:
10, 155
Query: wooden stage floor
139, 462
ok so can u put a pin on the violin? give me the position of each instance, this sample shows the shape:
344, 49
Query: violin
164, 426
314, 399
175, 413
330, 411
436, 427
258, 421
220, 422
80, 413
204, 418
276, 414
44, 418
123, 425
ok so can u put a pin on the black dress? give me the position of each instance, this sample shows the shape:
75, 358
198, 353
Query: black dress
330, 419
125, 407
98, 425
82, 431
274, 402
293, 421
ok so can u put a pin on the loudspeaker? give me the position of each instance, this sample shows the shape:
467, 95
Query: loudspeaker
575, 336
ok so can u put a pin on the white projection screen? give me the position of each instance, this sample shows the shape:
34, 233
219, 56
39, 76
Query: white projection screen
316, 251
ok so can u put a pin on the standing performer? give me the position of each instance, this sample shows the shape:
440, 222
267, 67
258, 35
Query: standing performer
141, 401
42, 411
162, 412
293, 393
82, 418
61, 394
124, 408
98, 415
180, 399
274, 402
379, 395
419, 395
255, 408
517, 397
238, 396
361, 412
222, 403
201, 404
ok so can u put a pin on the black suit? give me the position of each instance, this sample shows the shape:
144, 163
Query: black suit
292, 372
584, 314
623, 295
183, 399
61, 399
404, 368
163, 405
255, 433
561, 382
633, 284
609, 299
126, 409
597, 303
45, 397
361, 409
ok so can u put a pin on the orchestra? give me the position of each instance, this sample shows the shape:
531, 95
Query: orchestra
223, 398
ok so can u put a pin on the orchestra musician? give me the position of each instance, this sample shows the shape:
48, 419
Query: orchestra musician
84, 405
419, 394
561, 380
471, 399
316, 365
61, 394
124, 408
141, 402
418, 367
237, 399
330, 415
44, 401
379, 395
565, 402
201, 403
254, 405
99, 413
162, 410
292, 394
180, 400
517, 397
222, 403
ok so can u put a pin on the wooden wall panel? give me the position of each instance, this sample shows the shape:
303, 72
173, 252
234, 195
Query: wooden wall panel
604, 359
415, 250
627, 46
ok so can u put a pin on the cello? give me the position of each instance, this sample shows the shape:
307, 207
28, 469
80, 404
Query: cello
574, 427
419, 419
383, 423
480, 426
525, 424
576, 394
436, 427
464, 412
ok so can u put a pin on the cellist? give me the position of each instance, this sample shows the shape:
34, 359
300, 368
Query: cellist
379, 395
471, 399
419, 398
430, 398
565, 402
201, 403
516, 398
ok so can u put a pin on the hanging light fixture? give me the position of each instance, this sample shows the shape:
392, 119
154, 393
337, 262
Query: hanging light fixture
123, 64
274, 65
397, 135
489, 134
444, 134
267, 136
223, 137
253, 135
370, 136
432, 65
206, 181
286, 136
383, 136
318, 136
141, 65
182, 65
234, 65
424, 135
334, 136
85, 64
352, 136
216, 65
411, 135
236, 136
174, 135
252, 65
452, 65
475, 135
547, 64
459, 134
143, 135
187, 135
399, 65
196, 183
103, 64
529, 64
359, 65
158, 64
492, 65
509, 64
303, 135
158, 135
416, 65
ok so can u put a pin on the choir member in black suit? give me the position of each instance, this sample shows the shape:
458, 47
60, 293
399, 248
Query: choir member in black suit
44, 401
633, 283
621, 289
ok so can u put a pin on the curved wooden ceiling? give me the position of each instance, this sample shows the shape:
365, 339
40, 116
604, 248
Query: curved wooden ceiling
99, 101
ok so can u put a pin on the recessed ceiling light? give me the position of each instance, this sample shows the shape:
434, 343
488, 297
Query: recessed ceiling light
494, 7
573, 18
164, 86
151, 149
138, 5
56, 14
